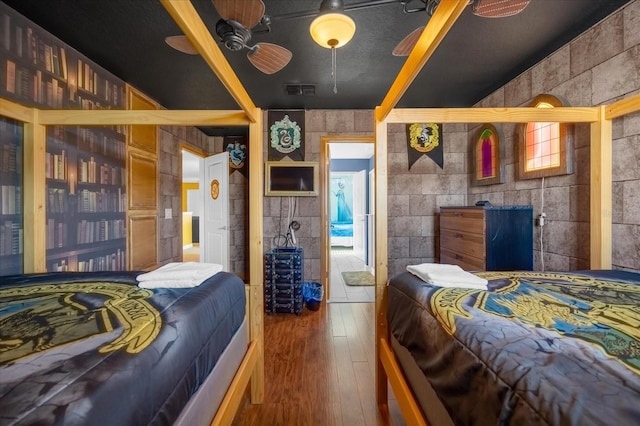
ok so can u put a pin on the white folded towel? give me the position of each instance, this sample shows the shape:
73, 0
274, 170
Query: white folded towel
169, 284
444, 275
178, 275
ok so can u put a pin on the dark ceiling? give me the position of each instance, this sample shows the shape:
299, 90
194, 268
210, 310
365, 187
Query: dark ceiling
478, 55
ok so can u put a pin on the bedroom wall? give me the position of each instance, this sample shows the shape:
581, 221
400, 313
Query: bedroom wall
599, 67
416, 195
239, 223
318, 123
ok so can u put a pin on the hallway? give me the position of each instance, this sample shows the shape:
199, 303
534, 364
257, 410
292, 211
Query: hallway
343, 260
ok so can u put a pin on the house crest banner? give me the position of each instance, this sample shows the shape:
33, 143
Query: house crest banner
424, 139
238, 154
286, 135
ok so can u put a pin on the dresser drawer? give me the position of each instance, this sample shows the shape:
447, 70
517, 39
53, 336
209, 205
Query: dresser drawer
463, 243
468, 220
487, 238
466, 262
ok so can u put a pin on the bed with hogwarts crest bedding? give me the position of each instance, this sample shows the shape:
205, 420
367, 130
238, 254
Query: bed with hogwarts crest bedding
535, 348
94, 348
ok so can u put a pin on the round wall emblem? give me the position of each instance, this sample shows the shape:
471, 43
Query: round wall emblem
215, 189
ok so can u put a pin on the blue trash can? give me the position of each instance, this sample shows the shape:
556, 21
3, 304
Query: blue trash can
312, 293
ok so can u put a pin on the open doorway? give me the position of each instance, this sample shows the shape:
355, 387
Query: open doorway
349, 216
191, 206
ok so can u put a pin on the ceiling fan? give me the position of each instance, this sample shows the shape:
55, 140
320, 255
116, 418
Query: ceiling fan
235, 31
240, 17
482, 8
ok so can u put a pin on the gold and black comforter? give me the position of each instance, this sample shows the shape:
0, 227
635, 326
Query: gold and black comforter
536, 348
93, 348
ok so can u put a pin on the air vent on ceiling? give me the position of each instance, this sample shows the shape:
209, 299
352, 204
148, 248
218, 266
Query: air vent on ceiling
300, 89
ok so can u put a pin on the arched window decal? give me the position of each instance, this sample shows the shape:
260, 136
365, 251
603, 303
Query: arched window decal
545, 148
487, 156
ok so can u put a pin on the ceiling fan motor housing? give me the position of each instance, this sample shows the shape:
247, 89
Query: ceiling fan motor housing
234, 36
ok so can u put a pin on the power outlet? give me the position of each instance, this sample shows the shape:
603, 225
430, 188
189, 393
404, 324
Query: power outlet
541, 220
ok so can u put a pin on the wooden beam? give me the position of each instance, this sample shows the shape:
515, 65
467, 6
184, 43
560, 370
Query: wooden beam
600, 190
231, 401
144, 117
408, 405
439, 24
494, 115
34, 197
622, 107
17, 112
191, 24
238, 118
256, 252
381, 254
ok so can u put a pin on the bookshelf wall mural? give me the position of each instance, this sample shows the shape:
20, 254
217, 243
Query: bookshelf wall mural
85, 166
11, 220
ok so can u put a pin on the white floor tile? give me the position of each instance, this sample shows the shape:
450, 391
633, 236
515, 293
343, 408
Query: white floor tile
343, 260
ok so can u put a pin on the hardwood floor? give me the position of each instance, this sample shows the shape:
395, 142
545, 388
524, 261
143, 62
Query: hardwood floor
319, 370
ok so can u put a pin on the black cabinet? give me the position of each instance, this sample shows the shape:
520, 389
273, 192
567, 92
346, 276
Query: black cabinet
283, 278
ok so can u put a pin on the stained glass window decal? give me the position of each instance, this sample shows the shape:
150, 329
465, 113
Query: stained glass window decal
486, 146
545, 147
487, 154
542, 143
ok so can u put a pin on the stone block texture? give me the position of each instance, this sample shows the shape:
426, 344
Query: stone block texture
600, 66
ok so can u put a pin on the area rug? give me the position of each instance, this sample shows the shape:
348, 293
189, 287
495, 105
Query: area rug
358, 278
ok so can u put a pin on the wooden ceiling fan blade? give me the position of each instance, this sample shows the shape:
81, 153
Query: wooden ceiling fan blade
498, 8
182, 44
406, 44
269, 58
247, 12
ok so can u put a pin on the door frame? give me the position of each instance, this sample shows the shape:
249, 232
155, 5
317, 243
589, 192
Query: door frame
325, 162
199, 153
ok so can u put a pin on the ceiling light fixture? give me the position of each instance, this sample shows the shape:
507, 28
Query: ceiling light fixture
332, 29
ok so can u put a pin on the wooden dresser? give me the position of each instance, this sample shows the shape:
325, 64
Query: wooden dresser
487, 238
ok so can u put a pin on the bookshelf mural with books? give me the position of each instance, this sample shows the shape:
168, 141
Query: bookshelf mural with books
11, 219
85, 166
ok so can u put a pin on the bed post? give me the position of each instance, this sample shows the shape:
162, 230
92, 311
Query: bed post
35, 137
381, 258
255, 315
600, 187
602, 178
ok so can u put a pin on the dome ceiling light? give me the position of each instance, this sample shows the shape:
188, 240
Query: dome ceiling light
332, 29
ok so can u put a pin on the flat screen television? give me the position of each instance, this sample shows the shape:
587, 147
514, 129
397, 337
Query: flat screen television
291, 178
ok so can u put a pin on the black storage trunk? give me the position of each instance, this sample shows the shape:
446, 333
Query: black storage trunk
283, 278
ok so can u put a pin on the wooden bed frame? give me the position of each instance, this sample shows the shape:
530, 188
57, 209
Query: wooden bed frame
35, 121
252, 367
600, 118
